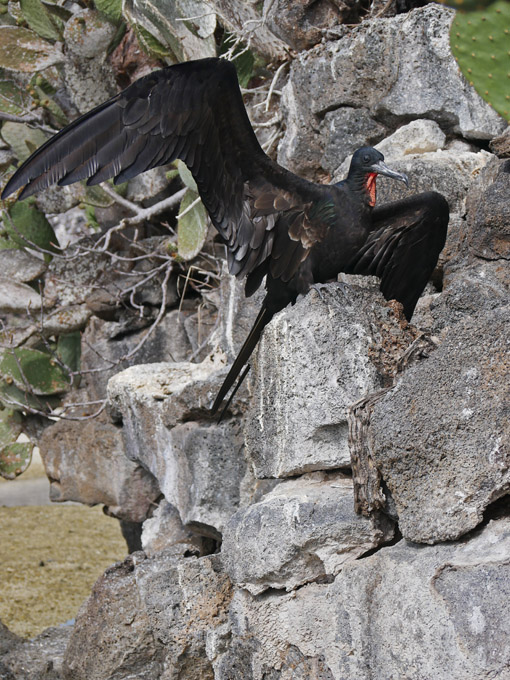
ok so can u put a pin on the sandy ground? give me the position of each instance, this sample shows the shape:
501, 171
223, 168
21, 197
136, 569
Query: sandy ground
50, 554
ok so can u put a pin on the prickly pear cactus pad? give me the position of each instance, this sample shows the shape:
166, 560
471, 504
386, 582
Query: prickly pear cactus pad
466, 5
480, 42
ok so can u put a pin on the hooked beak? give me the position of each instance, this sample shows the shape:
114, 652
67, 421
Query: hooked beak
382, 169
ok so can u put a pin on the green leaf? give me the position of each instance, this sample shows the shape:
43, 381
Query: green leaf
90, 214
40, 20
466, 5
24, 51
58, 11
11, 98
13, 397
186, 176
34, 371
96, 196
244, 64
112, 9
15, 458
192, 226
51, 105
117, 38
10, 426
26, 220
163, 20
244, 60
151, 45
69, 350
172, 174
22, 138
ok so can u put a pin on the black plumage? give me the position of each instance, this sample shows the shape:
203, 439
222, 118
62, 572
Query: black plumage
274, 223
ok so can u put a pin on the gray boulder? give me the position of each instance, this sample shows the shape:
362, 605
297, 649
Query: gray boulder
389, 69
21, 265
303, 23
441, 437
314, 360
408, 611
40, 658
106, 344
86, 463
488, 231
476, 274
168, 430
88, 77
150, 618
165, 529
303, 530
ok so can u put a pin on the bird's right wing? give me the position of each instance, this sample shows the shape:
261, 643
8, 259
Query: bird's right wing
194, 111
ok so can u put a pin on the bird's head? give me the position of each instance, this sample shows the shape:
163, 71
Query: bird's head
366, 164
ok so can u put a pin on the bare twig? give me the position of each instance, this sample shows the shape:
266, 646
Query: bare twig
160, 315
30, 119
106, 187
273, 84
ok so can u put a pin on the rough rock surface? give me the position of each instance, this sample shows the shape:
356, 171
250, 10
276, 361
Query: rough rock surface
165, 529
303, 530
86, 463
88, 77
476, 273
107, 340
408, 611
344, 323
150, 618
445, 426
374, 69
38, 659
167, 429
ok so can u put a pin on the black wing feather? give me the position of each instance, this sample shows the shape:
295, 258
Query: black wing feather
404, 245
193, 111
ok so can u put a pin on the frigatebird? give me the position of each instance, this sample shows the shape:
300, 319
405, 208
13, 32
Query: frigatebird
275, 224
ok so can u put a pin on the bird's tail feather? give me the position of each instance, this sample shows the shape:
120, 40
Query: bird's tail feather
263, 318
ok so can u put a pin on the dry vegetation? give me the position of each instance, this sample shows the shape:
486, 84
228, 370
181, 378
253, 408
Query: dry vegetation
50, 556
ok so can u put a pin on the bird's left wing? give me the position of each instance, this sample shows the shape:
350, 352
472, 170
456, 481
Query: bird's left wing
193, 111
403, 246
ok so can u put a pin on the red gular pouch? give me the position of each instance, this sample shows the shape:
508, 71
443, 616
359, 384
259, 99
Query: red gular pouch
370, 187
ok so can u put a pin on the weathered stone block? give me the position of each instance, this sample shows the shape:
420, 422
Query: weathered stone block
441, 436
303, 530
168, 430
314, 360
389, 68
407, 611
149, 618
39, 658
86, 463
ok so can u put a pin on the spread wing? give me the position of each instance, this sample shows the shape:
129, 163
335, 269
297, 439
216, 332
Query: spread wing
404, 246
192, 111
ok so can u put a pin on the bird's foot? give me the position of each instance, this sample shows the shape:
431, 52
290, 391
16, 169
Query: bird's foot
319, 287
344, 288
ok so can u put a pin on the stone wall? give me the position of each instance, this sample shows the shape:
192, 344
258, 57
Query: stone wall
255, 564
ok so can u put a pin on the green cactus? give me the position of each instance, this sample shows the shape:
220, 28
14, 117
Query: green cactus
15, 456
31, 368
24, 225
466, 5
480, 42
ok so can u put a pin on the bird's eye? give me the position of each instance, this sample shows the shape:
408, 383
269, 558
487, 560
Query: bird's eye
366, 158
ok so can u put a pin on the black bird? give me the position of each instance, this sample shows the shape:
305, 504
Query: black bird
274, 223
